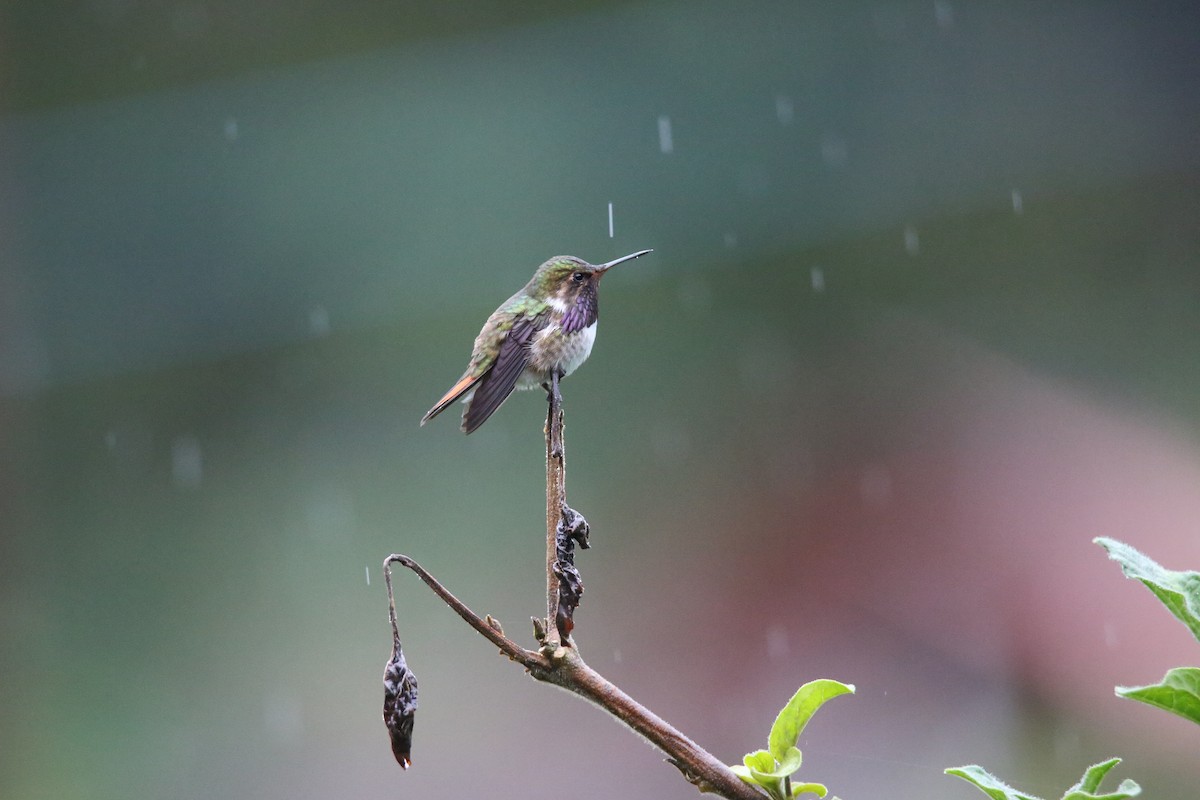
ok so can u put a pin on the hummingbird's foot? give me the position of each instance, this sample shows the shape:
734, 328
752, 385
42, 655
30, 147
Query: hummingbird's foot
551, 387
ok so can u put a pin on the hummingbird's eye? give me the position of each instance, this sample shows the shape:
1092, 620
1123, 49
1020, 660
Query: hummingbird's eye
578, 277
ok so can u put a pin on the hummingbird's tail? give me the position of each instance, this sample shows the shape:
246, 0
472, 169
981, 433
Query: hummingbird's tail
465, 384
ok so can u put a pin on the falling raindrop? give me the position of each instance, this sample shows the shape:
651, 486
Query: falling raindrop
610, 221
617, 657
1110, 635
665, 142
367, 569
818, 279
187, 462
912, 242
943, 12
1018, 202
318, 321
231, 129
784, 109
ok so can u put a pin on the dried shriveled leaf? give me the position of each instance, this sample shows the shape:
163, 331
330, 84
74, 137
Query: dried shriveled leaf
572, 529
399, 704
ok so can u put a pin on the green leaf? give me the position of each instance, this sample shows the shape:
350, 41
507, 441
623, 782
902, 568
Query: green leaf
759, 771
1178, 692
1178, 591
997, 789
765, 769
1092, 777
799, 710
816, 788
742, 772
1089, 784
1126, 790
988, 783
790, 763
759, 761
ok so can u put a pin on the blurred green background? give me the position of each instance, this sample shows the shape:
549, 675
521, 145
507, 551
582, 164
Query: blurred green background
920, 322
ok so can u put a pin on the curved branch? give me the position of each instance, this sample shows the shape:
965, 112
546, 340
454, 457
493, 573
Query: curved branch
491, 632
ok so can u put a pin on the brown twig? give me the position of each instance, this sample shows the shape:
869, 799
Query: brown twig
492, 633
699, 767
565, 668
556, 500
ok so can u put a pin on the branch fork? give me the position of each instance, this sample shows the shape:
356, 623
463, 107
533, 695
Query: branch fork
557, 661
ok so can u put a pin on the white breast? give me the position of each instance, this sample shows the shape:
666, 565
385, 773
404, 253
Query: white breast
551, 350
579, 349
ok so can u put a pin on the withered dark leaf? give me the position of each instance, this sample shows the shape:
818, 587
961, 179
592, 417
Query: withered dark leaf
399, 704
572, 529
572, 525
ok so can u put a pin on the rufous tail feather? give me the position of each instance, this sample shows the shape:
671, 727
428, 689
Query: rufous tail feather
464, 385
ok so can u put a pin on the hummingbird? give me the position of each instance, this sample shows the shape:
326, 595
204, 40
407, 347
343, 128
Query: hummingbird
540, 334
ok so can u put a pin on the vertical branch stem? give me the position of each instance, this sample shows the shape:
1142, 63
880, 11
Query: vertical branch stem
556, 499
387, 579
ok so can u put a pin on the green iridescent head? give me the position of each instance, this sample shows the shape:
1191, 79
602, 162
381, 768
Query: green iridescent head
566, 277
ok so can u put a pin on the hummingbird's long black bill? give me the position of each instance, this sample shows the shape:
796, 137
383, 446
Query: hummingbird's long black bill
602, 268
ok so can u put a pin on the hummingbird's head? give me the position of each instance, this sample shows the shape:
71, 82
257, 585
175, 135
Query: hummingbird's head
563, 280
567, 281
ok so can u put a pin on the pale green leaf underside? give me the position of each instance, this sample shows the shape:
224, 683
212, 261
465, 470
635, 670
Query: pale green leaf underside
1178, 591
1093, 776
1126, 790
790, 722
816, 788
759, 761
988, 783
1089, 784
1086, 789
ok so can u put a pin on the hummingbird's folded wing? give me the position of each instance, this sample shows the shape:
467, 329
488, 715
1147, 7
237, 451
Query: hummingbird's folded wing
498, 382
